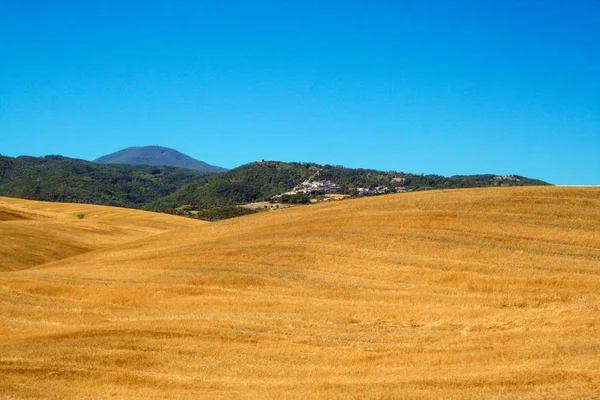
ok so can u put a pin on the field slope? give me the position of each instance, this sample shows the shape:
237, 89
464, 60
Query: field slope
34, 232
473, 293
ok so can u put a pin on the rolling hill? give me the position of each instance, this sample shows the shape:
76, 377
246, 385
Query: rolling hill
475, 293
157, 155
35, 233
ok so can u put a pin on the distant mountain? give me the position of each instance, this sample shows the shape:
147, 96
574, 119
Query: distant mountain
157, 155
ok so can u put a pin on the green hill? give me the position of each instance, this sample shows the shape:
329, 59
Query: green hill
157, 155
57, 178
262, 180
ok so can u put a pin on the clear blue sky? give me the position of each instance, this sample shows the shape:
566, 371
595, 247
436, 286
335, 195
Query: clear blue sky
445, 87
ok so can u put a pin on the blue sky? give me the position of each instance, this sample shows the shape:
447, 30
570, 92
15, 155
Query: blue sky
445, 87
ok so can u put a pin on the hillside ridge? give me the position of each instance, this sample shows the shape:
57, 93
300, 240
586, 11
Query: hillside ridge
264, 180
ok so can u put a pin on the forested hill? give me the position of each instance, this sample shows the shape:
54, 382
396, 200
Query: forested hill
262, 180
160, 188
57, 178
157, 155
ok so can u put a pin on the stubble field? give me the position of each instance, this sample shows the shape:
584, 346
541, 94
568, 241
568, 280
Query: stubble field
478, 293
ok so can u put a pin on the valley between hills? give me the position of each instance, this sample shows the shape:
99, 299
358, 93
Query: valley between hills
450, 294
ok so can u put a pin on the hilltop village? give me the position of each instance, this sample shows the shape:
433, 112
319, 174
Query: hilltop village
328, 187
316, 186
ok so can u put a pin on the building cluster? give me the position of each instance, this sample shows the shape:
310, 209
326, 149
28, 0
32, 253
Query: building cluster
324, 186
328, 187
382, 190
508, 178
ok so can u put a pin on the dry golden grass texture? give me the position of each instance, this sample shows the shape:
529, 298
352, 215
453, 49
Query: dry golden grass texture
478, 293
34, 232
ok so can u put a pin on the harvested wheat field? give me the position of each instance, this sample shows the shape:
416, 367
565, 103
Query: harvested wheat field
34, 233
473, 293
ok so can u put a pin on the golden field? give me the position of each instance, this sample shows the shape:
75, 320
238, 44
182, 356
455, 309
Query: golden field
34, 233
474, 293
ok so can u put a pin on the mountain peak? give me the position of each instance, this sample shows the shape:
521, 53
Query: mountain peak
157, 155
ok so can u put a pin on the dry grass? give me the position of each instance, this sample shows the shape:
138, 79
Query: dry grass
34, 233
483, 293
